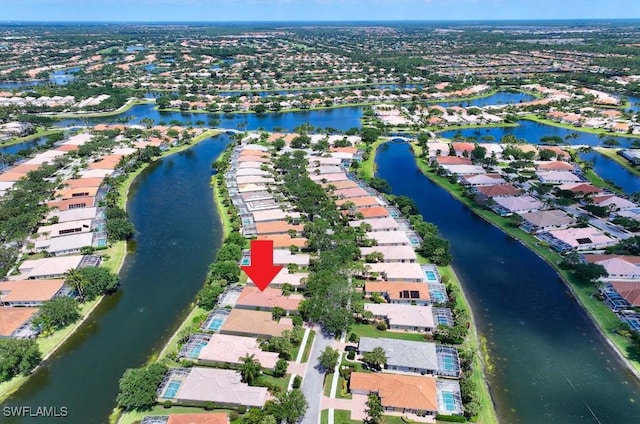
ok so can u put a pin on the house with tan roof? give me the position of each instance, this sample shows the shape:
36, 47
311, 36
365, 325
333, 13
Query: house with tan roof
199, 385
377, 224
453, 160
220, 349
295, 279
339, 185
75, 203
545, 220
579, 239
350, 193
402, 254
252, 298
284, 241
414, 357
403, 317
200, 418
518, 204
29, 292
49, 268
16, 322
482, 180
399, 393
389, 238
277, 227
64, 228
82, 182
360, 202
399, 292
244, 322
407, 272
619, 267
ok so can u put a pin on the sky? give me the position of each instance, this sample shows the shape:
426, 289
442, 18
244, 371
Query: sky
313, 10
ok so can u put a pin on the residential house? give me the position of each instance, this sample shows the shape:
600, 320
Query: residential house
30, 293
399, 292
408, 272
402, 317
16, 322
253, 298
244, 322
533, 222
619, 267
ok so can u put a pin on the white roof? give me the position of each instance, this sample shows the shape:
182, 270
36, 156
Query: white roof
39, 268
402, 314
391, 253
220, 386
398, 271
74, 214
54, 230
389, 237
273, 215
65, 243
378, 224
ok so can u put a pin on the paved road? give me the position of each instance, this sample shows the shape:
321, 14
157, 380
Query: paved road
314, 378
601, 224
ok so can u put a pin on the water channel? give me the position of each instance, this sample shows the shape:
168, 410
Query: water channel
177, 234
551, 364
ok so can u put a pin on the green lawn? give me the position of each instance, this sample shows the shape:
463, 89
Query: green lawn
307, 348
40, 132
326, 388
368, 166
611, 154
344, 417
370, 330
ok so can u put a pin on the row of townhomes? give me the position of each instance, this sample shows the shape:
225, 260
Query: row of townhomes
73, 232
553, 200
406, 298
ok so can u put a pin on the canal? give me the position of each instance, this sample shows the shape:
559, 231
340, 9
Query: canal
177, 234
551, 364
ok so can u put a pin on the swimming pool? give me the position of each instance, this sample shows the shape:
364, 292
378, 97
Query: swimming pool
172, 389
215, 324
430, 275
449, 401
195, 352
245, 261
437, 297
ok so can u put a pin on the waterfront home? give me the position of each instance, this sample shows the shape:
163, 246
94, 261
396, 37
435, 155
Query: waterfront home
96, 173
29, 292
628, 290
399, 292
44, 157
48, 268
482, 180
273, 215
389, 238
373, 212
194, 418
618, 267
295, 279
254, 179
73, 215
560, 153
613, 202
350, 193
252, 298
409, 394
285, 257
577, 238
284, 241
460, 148
557, 177
360, 202
222, 349
65, 245
518, 204
533, 222
377, 224
64, 228
75, 203
277, 227
484, 193
338, 185
16, 322
415, 357
632, 155
402, 317
582, 188
328, 178
453, 160
402, 254
553, 166
437, 150
243, 322
408, 272
198, 386
463, 169
82, 182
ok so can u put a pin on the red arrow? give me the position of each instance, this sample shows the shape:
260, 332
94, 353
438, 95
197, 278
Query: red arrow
262, 270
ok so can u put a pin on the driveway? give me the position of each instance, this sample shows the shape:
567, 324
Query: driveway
314, 378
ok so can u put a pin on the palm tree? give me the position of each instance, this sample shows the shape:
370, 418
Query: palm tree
77, 280
250, 369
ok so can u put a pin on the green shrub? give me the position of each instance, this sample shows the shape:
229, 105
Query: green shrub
297, 382
233, 415
167, 404
351, 355
451, 418
382, 326
209, 406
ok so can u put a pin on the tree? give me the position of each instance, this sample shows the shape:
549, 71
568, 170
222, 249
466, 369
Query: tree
119, 229
369, 134
99, 281
281, 368
77, 280
250, 369
589, 272
277, 312
225, 270
138, 386
374, 409
57, 313
207, 297
328, 359
377, 358
258, 416
478, 153
289, 407
18, 356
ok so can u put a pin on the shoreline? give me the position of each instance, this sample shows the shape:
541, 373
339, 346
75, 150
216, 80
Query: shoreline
574, 293
614, 156
30, 137
125, 107
119, 248
595, 131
